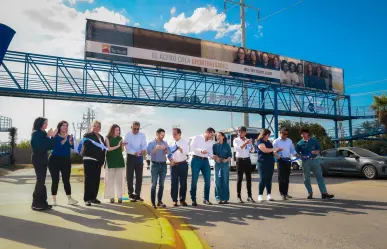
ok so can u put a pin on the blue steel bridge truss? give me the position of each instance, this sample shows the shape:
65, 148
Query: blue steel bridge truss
41, 76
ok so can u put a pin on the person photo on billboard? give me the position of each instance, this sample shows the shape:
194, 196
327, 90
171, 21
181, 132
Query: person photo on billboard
292, 74
300, 74
265, 60
276, 63
320, 80
254, 59
241, 56
284, 75
309, 78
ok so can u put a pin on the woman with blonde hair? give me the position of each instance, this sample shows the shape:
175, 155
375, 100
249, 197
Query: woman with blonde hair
115, 165
93, 152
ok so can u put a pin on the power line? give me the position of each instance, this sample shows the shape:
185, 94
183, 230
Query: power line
367, 93
224, 12
279, 11
178, 24
366, 83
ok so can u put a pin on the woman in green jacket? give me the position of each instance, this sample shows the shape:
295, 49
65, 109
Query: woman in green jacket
115, 165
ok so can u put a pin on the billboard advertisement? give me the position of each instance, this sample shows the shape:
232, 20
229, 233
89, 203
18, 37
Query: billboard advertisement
113, 42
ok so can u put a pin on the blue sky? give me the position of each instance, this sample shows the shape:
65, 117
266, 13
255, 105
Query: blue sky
347, 34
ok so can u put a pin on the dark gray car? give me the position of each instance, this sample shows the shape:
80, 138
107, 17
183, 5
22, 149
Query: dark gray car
353, 160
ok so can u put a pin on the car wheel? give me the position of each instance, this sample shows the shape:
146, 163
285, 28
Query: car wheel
369, 172
295, 166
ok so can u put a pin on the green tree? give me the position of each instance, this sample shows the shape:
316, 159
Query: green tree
24, 144
12, 135
380, 106
316, 130
367, 126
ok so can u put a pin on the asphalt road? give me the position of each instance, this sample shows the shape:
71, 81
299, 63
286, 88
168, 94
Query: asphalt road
355, 219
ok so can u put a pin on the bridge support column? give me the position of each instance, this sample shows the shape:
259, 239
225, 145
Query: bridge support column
263, 116
275, 114
350, 120
336, 134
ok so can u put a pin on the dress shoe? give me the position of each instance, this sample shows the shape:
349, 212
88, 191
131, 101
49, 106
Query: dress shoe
327, 196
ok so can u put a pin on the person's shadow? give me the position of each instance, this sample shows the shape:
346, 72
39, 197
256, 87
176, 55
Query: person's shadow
233, 213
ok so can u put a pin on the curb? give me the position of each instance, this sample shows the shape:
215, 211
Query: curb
177, 231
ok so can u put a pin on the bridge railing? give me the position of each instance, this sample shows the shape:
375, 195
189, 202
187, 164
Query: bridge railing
359, 131
5, 124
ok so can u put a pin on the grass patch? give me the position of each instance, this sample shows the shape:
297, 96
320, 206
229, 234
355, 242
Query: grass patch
77, 172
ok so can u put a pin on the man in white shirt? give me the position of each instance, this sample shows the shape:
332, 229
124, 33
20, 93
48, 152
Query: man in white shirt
283, 161
135, 145
201, 149
179, 167
242, 147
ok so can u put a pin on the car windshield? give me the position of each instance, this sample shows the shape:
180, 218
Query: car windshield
363, 152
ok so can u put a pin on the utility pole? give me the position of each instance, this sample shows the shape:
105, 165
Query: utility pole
88, 118
243, 39
81, 127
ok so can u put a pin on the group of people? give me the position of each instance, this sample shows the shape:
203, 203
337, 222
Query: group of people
256, 59
98, 152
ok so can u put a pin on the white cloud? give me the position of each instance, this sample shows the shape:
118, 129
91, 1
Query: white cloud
259, 33
51, 27
136, 24
202, 20
173, 10
236, 38
72, 2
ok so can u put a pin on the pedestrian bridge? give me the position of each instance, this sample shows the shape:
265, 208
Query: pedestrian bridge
50, 77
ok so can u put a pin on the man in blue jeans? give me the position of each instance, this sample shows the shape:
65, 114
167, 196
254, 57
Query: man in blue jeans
308, 148
201, 149
158, 149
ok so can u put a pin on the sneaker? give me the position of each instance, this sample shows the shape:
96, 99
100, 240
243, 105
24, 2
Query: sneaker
138, 198
71, 201
175, 204
207, 202
289, 196
220, 202
194, 203
310, 196
119, 200
111, 200
54, 202
225, 202
132, 198
88, 203
269, 198
240, 200
260, 198
96, 201
183, 203
154, 206
161, 204
250, 199
327, 196
283, 197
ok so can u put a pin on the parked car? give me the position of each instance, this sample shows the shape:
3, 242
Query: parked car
351, 161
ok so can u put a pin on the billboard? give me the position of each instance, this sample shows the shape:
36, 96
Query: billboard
113, 42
